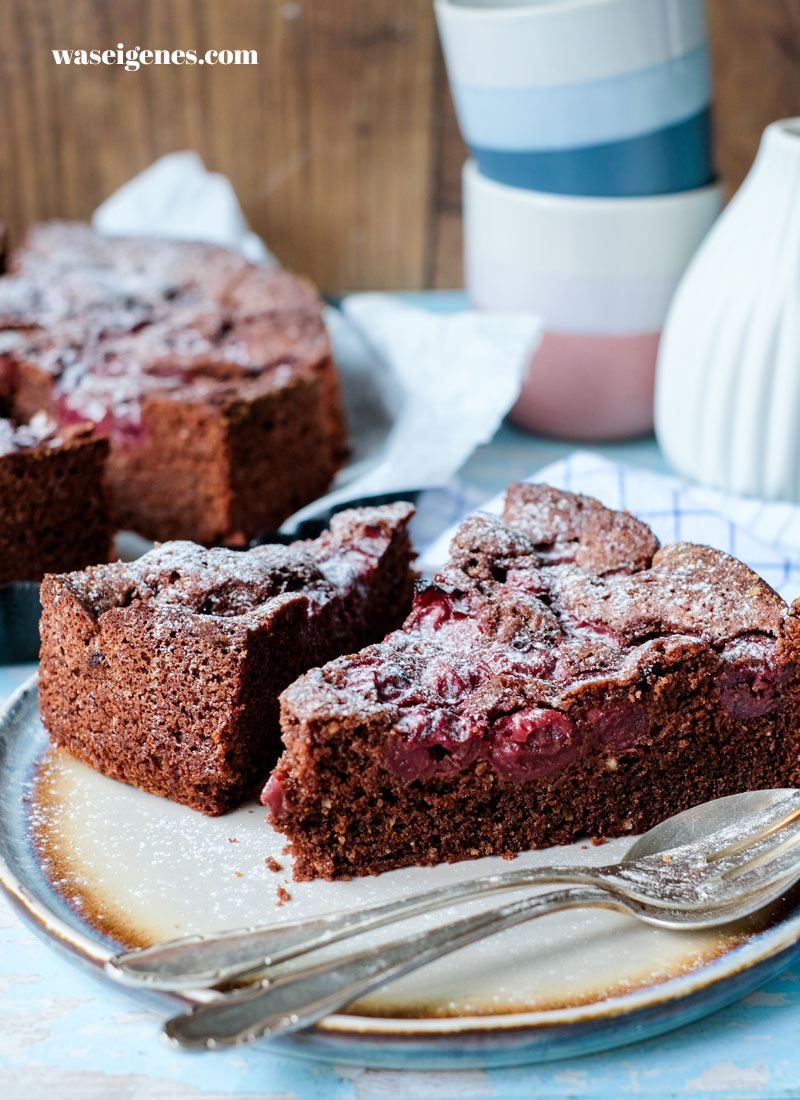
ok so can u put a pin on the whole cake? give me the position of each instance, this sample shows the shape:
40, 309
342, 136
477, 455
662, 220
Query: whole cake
54, 512
165, 673
213, 378
561, 676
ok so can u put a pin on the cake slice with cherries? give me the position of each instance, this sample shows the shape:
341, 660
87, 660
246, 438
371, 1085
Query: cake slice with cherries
562, 675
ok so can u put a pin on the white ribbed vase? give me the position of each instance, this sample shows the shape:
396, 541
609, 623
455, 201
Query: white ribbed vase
728, 379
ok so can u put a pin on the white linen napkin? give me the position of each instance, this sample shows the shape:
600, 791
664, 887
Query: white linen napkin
176, 197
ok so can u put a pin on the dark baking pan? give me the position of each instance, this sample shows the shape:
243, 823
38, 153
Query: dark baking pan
313, 527
19, 622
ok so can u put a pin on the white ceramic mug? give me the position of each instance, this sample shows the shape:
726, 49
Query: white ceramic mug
601, 274
588, 97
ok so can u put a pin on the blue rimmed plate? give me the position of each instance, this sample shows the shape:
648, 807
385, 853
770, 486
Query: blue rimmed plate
94, 865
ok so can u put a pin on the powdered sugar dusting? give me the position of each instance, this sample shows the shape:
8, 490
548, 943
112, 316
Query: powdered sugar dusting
41, 430
185, 578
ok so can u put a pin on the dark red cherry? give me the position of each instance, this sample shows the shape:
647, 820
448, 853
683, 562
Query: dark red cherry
431, 742
752, 679
531, 744
618, 725
273, 796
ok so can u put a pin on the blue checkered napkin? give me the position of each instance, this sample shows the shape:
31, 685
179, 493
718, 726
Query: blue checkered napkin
766, 535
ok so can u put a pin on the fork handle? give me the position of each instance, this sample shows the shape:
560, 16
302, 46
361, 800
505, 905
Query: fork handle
200, 961
301, 998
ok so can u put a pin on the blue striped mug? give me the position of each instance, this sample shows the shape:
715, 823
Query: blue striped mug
582, 97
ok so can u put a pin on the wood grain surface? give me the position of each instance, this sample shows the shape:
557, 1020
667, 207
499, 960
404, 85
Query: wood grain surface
342, 142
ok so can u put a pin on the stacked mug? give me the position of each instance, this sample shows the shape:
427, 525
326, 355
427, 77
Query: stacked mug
589, 187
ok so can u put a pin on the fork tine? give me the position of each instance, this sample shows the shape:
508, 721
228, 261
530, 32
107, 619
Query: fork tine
731, 838
736, 859
775, 820
767, 858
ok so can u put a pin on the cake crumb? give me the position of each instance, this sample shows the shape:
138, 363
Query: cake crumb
283, 895
598, 840
233, 840
666, 858
238, 874
273, 864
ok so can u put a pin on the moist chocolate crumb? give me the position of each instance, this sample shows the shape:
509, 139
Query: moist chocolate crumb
272, 864
283, 895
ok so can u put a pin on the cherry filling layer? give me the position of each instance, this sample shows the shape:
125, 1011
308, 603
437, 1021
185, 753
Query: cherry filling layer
752, 678
454, 706
437, 742
123, 424
437, 736
110, 394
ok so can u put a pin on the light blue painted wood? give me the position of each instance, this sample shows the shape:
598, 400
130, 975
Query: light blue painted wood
65, 1034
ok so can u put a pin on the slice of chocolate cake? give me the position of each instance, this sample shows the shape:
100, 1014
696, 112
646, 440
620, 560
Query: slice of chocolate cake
54, 512
561, 676
165, 673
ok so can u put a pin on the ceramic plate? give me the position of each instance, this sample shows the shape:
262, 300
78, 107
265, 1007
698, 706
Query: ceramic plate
95, 865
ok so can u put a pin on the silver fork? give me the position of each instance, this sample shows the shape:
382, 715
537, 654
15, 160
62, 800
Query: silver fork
707, 866
299, 999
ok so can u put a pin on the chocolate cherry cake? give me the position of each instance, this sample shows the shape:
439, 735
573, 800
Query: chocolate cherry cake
212, 378
165, 672
562, 675
53, 507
